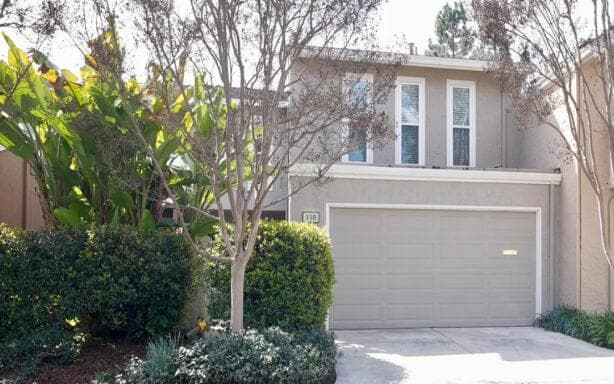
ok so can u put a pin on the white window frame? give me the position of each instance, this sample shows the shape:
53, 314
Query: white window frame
472, 122
345, 123
421, 83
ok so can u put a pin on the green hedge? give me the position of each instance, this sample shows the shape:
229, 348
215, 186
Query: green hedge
596, 328
105, 281
288, 280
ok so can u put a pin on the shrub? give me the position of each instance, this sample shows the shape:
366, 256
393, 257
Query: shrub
135, 283
107, 281
596, 328
159, 365
268, 356
288, 280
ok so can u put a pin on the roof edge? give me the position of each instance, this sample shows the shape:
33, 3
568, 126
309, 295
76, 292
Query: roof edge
384, 57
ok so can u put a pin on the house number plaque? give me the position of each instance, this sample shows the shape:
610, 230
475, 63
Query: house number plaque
311, 217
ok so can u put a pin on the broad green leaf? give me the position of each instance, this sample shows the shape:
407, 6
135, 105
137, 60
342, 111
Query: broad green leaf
68, 75
14, 139
115, 216
202, 227
67, 217
120, 198
166, 149
147, 222
17, 58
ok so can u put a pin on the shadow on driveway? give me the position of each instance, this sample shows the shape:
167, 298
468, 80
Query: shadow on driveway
470, 355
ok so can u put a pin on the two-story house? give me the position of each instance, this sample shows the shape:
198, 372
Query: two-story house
440, 226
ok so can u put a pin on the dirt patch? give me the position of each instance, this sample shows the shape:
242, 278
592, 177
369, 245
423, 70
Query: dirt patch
95, 356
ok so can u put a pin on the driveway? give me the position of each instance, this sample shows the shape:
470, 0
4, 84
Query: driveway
470, 355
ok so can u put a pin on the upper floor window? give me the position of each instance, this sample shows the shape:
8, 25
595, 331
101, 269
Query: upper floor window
410, 131
461, 123
359, 97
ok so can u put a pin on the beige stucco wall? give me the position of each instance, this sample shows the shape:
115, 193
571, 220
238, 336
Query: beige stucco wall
315, 198
582, 272
495, 129
19, 206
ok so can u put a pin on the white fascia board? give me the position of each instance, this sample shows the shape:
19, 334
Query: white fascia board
446, 63
394, 58
365, 172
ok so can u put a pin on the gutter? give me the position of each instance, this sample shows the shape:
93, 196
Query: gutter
370, 172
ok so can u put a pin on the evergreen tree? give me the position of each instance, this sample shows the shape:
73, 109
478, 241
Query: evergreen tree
454, 37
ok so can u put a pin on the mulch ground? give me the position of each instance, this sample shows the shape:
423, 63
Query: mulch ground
95, 356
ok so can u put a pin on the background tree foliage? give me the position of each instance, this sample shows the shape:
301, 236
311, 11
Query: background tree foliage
454, 37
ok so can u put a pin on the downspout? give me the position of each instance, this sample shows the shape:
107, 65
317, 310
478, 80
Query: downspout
551, 253
503, 132
579, 246
610, 275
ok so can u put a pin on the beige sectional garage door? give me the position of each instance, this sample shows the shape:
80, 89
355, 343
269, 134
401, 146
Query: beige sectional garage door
400, 268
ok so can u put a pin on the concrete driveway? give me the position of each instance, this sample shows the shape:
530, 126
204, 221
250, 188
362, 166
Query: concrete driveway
470, 355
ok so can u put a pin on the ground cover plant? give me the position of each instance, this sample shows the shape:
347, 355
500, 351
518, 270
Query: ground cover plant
593, 327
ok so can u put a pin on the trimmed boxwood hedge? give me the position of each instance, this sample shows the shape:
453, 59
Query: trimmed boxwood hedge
105, 281
288, 280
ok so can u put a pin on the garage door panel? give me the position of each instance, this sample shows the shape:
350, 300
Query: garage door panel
414, 311
461, 310
358, 249
408, 250
397, 281
512, 310
468, 251
358, 312
506, 280
460, 280
415, 268
396, 223
359, 281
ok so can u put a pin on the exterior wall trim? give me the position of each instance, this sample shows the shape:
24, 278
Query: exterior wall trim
421, 83
538, 231
347, 171
471, 85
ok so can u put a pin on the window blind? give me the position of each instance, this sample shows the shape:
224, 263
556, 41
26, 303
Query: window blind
410, 121
410, 104
409, 144
460, 107
359, 94
359, 143
461, 146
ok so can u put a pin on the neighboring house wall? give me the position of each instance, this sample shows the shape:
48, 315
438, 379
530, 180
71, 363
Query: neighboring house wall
19, 205
582, 272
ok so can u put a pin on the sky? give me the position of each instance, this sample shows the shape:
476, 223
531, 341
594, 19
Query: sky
409, 20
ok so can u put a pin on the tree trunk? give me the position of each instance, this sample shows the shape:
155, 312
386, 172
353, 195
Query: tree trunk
237, 280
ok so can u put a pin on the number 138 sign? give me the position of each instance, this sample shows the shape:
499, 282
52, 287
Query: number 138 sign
311, 217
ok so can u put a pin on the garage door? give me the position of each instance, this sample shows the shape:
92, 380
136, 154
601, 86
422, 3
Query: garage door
399, 268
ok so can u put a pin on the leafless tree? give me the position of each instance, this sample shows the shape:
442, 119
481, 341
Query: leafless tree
280, 70
42, 17
558, 59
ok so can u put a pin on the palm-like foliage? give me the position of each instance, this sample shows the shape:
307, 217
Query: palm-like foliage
78, 135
